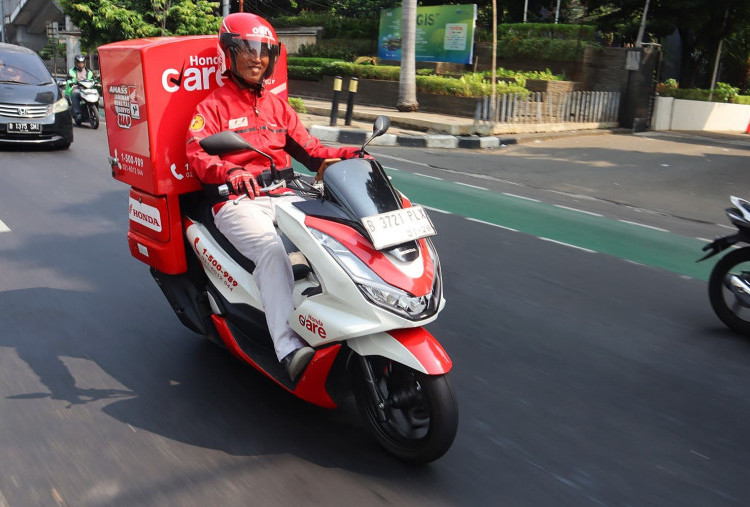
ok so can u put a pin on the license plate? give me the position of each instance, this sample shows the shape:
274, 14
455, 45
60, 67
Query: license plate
24, 128
396, 227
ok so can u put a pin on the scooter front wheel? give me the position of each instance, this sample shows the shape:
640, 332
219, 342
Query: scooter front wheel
729, 290
412, 415
94, 117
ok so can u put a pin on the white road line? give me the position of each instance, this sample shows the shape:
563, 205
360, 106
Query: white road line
3, 227
436, 209
578, 210
644, 225
471, 186
568, 244
704, 239
521, 197
428, 176
635, 262
493, 225
403, 160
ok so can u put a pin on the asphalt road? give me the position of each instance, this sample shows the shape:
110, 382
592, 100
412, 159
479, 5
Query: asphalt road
582, 378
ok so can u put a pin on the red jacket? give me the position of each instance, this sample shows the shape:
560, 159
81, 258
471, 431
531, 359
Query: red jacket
266, 122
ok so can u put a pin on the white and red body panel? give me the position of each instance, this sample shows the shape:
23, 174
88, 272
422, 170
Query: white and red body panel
341, 312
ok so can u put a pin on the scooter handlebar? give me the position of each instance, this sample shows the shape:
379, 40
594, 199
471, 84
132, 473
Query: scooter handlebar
224, 189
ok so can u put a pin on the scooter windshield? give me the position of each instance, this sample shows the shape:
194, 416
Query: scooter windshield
360, 187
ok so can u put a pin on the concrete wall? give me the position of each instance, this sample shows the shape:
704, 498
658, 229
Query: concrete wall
294, 37
678, 114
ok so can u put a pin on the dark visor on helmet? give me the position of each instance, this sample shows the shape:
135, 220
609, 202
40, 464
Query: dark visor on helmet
251, 48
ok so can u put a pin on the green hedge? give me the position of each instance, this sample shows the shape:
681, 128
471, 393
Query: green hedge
546, 31
563, 50
334, 27
297, 104
303, 61
722, 93
336, 51
469, 85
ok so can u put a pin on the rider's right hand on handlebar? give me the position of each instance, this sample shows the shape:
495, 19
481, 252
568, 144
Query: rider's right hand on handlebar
241, 182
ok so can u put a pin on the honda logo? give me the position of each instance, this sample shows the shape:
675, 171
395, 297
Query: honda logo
22, 111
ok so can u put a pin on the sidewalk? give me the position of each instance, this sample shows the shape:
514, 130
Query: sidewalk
433, 130
416, 129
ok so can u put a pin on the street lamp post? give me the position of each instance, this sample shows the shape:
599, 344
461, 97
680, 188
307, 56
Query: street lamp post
2, 20
642, 29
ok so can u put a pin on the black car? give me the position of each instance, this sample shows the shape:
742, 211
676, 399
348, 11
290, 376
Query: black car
33, 111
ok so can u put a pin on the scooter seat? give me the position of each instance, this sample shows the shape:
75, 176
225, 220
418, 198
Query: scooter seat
203, 215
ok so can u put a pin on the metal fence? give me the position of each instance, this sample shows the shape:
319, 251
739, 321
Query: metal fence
566, 107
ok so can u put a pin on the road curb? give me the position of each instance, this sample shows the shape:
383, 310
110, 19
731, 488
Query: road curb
354, 136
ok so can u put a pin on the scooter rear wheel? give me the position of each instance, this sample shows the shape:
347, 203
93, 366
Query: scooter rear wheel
731, 305
420, 411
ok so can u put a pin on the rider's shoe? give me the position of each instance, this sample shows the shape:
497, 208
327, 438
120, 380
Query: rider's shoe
297, 361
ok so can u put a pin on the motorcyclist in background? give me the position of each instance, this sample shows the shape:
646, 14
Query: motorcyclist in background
78, 72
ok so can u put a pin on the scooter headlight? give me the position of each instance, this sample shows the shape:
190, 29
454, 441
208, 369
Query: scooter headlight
371, 285
60, 106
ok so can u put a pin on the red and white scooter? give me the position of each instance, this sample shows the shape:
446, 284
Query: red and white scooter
367, 279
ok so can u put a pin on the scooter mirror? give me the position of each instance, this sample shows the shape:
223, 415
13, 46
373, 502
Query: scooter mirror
381, 126
382, 123
224, 142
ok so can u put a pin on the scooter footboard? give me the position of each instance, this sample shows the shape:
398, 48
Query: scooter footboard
413, 347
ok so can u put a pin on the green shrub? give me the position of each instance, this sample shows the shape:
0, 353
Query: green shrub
470, 85
723, 92
425, 72
334, 27
522, 76
334, 51
563, 50
741, 99
546, 31
297, 104
367, 60
304, 73
301, 61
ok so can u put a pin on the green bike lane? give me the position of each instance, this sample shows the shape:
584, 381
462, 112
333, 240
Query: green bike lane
599, 234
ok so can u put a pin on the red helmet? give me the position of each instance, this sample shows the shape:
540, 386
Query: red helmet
243, 31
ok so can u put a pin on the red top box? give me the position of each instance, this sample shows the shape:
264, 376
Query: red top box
150, 89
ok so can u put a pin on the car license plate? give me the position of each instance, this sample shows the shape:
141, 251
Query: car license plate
396, 227
24, 128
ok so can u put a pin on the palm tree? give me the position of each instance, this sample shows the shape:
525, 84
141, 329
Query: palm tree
407, 85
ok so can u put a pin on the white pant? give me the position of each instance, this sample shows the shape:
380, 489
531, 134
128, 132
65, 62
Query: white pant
249, 226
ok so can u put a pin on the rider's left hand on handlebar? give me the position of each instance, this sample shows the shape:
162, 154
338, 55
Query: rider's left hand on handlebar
324, 165
241, 182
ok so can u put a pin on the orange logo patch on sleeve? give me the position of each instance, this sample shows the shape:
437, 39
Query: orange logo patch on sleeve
197, 123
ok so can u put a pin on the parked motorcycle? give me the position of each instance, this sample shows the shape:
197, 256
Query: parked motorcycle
729, 284
367, 279
89, 102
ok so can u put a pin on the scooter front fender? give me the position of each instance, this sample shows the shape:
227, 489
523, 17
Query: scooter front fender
412, 347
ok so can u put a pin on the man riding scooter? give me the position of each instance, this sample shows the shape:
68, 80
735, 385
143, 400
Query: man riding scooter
78, 72
251, 49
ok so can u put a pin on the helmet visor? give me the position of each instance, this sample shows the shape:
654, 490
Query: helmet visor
252, 48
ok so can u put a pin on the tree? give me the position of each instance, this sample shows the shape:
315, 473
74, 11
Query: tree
701, 26
104, 21
407, 85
